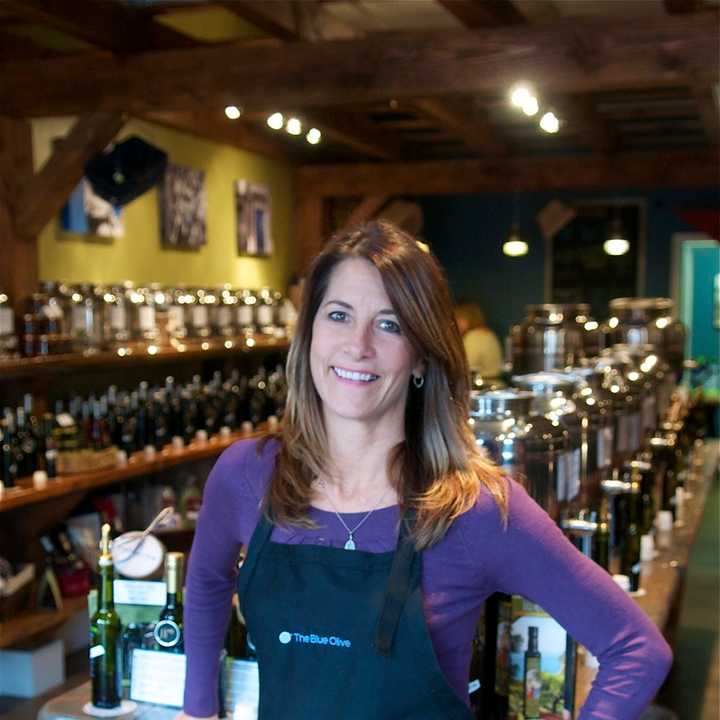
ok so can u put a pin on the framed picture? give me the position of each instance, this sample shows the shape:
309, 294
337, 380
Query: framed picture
183, 207
87, 213
252, 209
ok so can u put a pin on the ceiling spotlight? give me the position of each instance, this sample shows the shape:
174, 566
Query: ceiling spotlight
313, 136
549, 123
293, 126
530, 106
519, 95
233, 112
276, 121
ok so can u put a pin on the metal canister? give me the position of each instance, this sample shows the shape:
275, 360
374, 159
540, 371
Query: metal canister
224, 314
86, 318
649, 321
115, 312
245, 317
141, 304
552, 397
549, 338
626, 409
527, 445
265, 311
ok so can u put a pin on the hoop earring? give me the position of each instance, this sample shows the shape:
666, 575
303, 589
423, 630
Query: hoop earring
418, 381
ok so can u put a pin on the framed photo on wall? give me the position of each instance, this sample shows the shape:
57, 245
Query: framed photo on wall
183, 208
86, 213
252, 210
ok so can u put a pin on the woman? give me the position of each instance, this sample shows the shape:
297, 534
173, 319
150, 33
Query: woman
482, 348
375, 530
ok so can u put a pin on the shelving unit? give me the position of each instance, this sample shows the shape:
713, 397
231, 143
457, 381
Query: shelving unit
138, 465
124, 357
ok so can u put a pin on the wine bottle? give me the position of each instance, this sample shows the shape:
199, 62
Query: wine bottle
630, 558
601, 540
105, 634
169, 628
8, 464
532, 682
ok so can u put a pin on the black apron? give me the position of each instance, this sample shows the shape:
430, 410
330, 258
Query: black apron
341, 634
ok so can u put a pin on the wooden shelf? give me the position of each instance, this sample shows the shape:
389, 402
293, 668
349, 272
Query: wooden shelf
49, 364
25, 494
35, 622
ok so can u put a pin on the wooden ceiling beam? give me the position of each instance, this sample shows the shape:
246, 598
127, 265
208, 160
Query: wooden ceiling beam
277, 21
108, 25
633, 169
44, 194
681, 7
658, 52
484, 13
355, 132
580, 112
464, 120
708, 102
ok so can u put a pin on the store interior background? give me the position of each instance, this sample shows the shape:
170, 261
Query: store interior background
465, 231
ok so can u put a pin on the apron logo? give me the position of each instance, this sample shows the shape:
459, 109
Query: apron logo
286, 637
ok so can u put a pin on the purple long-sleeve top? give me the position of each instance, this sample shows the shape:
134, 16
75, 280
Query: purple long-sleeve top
478, 556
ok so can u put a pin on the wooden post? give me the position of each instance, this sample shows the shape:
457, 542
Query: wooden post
18, 251
310, 231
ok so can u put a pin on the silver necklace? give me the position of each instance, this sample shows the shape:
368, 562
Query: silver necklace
350, 542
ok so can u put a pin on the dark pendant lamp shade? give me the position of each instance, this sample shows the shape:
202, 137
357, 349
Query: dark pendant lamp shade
126, 171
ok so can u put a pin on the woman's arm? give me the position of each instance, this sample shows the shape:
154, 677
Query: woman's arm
229, 511
535, 560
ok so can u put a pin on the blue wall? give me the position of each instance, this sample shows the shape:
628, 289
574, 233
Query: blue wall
466, 233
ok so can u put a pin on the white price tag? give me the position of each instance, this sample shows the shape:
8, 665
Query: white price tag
158, 677
140, 592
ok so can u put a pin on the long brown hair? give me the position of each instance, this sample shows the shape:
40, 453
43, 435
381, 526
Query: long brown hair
437, 470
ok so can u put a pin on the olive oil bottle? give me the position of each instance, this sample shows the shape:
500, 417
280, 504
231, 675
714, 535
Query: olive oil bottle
105, 633
169, 628
532, 682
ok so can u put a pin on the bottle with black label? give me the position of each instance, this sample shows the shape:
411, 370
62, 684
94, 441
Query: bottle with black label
8, 460
169, 628
105, 633
532, 682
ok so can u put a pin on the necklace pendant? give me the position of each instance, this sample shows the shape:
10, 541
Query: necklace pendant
350, 544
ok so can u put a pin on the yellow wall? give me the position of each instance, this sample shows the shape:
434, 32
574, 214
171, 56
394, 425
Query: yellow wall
139, 257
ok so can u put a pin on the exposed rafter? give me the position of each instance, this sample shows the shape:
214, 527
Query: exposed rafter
708, 101
636, 169
484, 13
464, 121
663, 51
276, 20
108, 25
41, 198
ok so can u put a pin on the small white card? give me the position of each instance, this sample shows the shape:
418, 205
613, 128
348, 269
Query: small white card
158, 677
140, 592
242, 689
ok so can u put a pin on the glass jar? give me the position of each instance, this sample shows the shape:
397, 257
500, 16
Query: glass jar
8, 339
56, 311
143, 323
526, 445
552, 397
86, 319
179, 301
265, 311
245, 318
199, 324
224, 315
117, 327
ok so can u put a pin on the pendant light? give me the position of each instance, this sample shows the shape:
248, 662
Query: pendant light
616, 243
515, 244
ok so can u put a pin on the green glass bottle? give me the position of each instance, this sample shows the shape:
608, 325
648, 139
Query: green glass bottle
105, 632
532, 682
601, 539
169, 628
630, 558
